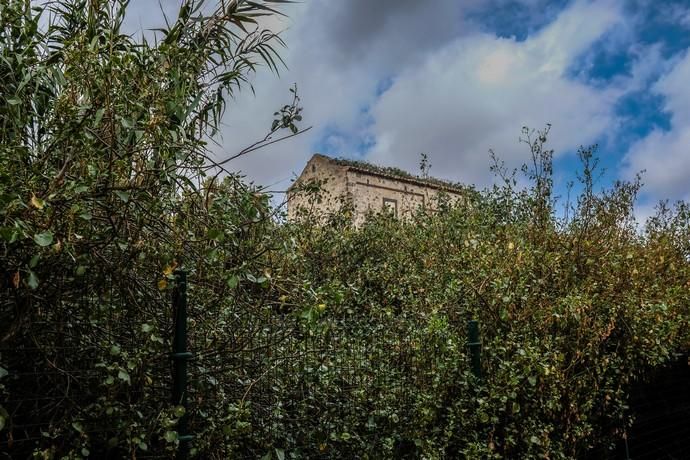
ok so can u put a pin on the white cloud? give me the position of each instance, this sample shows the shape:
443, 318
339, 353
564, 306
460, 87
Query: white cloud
337, 54
665, 155
573, 32
456, 91
478, 91
674, 86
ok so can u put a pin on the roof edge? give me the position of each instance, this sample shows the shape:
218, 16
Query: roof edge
394, 173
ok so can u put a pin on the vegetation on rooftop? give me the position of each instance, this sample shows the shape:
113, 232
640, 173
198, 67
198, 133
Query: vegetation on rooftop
401, 173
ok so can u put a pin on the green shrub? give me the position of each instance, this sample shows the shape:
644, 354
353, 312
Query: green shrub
310, 340
572, 311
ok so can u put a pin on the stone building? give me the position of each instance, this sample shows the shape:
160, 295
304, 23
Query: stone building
366, 188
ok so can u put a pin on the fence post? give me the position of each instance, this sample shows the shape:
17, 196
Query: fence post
180, 356
475, 347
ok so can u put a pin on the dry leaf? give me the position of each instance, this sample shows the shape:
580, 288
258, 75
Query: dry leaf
37, 202
167, 271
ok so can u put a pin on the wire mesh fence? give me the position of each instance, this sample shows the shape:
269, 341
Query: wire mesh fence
92, 364
80, 338
316, 386
88, 363
660, 407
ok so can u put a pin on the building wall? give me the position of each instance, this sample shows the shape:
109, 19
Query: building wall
375, 193
333, 179
367, 192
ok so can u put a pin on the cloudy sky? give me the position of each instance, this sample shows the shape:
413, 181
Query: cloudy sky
386, 80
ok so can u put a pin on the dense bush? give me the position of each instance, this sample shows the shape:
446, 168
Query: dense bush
572, 311
105, 189
310, 340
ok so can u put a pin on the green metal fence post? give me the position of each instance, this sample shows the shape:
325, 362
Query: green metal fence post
180, 356
475, 347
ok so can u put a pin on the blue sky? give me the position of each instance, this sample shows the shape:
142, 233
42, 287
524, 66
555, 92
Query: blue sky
384, 81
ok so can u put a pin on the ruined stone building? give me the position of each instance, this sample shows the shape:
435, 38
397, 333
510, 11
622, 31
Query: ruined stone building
365, 188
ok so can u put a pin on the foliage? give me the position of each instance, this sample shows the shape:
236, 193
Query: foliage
313, 338
105, 188
573, 309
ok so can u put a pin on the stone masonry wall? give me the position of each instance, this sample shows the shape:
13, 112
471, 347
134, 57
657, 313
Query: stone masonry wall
368, 192
333, 178
375, 193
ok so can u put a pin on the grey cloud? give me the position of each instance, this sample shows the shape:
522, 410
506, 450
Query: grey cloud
338, 52
479, 91
390, 32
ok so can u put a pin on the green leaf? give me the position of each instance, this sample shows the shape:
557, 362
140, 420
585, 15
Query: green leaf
122, 195
127, 123
34, 260
81, 270
32, 281
192, 107
44, 238
3, 372
14, 101
215, 234
9, 234
309, 315
124, 376
98, 117
280, 453
171, 436
233, 281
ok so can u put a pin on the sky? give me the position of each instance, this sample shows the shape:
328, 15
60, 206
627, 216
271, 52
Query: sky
385, 80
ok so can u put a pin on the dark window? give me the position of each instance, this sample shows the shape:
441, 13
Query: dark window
391, 205
313, 168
